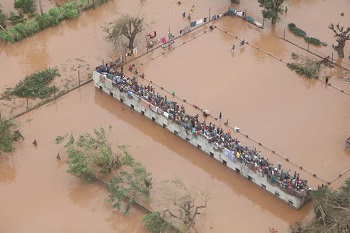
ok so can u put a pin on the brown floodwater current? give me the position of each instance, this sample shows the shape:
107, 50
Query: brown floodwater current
303, 120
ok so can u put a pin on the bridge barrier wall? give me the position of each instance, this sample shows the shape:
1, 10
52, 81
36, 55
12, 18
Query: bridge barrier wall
200, 142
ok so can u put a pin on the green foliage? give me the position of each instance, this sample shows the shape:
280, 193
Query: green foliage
154, 223
6, 37
132, 183
60, 139
272, 9
312, 40
26, 6
331, 211
15, 19
45, 21
90, 156
303, 70
8, 135
88, 4
34, 86
70, 10
298, 32
291, 26
29, 27
3, 18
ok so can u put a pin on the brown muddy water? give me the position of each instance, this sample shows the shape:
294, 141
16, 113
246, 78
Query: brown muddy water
301, 119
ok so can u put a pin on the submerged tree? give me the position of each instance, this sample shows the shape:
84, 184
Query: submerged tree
91, 157
181, 208
272, 9
8, 136
341, 36
126, 27
332, 211
132, 183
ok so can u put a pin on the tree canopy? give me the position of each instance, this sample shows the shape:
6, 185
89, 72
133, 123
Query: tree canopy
91, 157
331, 209
36, 85
181, 206
272, 9
8, 136
341, 35
127, 27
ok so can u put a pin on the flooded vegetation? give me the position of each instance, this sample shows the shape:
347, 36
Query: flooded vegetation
301, 119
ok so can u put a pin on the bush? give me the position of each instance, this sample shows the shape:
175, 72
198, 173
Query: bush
3, 18
26, 6
6, 37
312, 40
308, 69
291, 26
15, 19
298, 32
154, 223
57, 14
9, 135
70, 10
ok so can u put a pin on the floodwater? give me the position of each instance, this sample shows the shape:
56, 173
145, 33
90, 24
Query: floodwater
304, 120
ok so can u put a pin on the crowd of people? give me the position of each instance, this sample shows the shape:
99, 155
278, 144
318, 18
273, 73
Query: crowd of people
221, 140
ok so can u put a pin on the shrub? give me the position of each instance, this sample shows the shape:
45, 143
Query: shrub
9, 135
57, 14
3, 18
70, 10
298, 32
6, 37
308, 69
312, 40
15, 19
26, 6
291, 26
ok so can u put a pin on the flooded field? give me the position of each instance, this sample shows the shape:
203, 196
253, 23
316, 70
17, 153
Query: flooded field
304, 120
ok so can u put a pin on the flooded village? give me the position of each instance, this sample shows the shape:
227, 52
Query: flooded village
295, 123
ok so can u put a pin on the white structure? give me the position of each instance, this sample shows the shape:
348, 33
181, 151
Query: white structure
296, 200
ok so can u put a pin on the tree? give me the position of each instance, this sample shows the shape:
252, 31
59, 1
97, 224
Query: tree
91, 157
8, 136
180, 210
27, 6
132, 183
3, 18
341, 36
272, 9
331, 209
126, 27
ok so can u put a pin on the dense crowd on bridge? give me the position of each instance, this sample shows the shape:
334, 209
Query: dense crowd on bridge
220, 139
